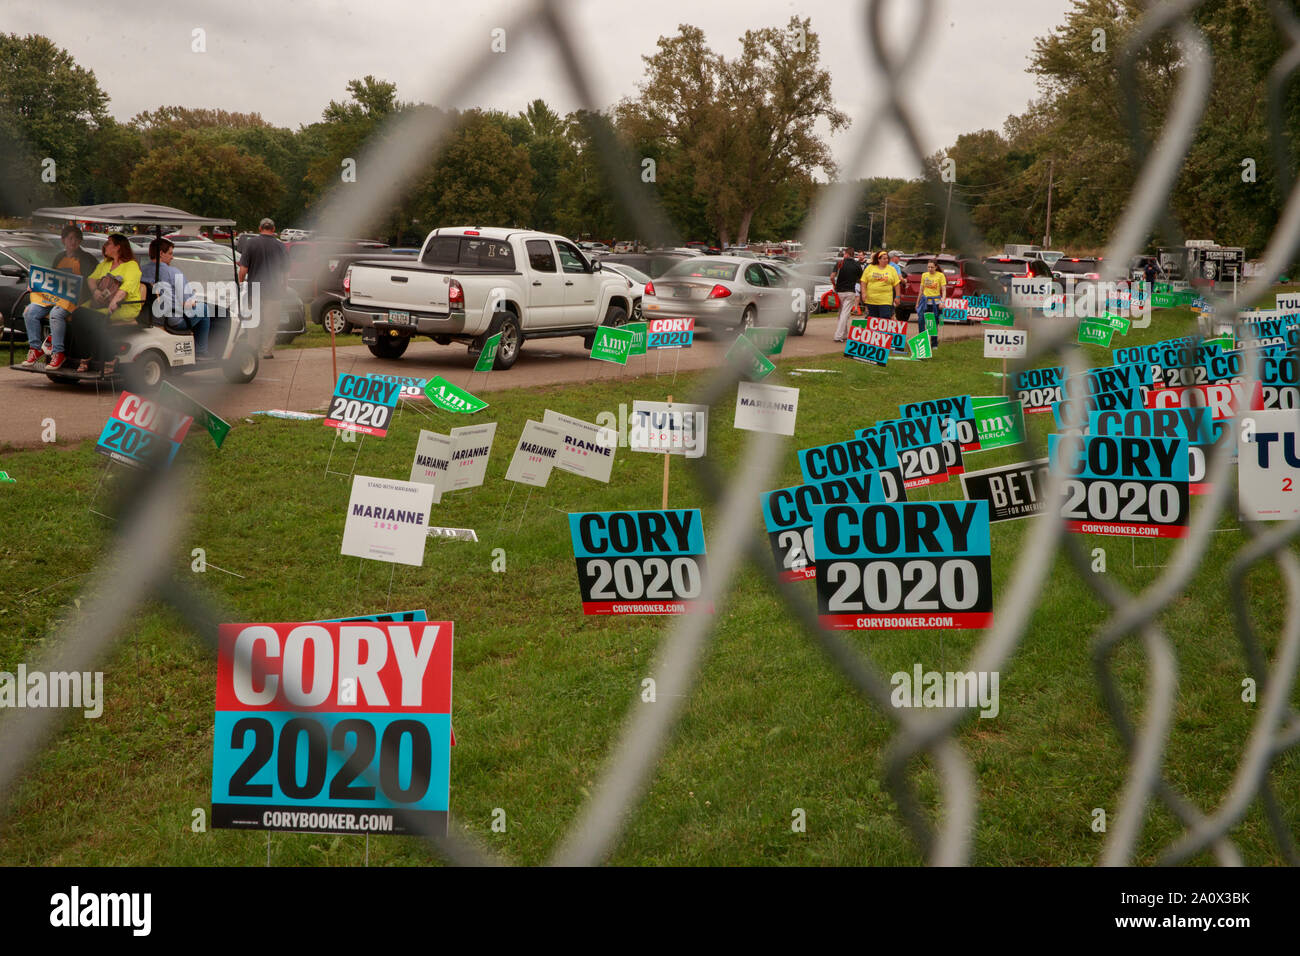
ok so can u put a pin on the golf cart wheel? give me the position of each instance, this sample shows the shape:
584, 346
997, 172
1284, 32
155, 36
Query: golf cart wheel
241, 367
333, 320
511, 341
801, 324
389, 347
147, 372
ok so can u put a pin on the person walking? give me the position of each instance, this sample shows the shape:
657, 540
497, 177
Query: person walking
265, 264
845, 279
933, 286
880, 287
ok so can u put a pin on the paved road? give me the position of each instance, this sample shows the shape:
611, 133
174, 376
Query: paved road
302, 380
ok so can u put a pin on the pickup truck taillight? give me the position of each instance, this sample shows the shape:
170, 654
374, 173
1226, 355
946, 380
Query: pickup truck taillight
719, 292
456, 295
649, 289
347, 282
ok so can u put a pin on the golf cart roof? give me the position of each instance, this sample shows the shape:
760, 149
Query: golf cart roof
128, 213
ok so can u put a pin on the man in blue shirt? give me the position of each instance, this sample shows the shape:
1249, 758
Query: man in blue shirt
170, 303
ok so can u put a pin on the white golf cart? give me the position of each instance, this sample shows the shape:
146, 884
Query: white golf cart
152, 349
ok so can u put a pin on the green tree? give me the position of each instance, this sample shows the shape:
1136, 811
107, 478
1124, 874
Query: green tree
50, 109
206, 178
480, 177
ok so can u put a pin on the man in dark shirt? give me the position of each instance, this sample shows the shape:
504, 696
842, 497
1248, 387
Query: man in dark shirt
846, 275
265, 263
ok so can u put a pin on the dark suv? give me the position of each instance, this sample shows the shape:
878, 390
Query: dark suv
316, 270
958, 271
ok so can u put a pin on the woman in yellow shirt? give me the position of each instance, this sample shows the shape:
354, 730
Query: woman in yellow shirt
933, 286
114, 294
880, 287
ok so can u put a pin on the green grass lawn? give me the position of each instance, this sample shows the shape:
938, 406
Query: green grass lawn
540, 691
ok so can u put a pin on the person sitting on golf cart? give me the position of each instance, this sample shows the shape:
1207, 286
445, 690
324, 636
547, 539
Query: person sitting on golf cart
72, 259
114, 294
170, 302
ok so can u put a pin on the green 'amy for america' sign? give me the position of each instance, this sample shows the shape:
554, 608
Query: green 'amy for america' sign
611, 345
452, 398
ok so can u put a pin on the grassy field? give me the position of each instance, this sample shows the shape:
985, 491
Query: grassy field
540, 691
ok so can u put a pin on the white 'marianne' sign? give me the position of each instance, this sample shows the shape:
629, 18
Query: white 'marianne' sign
535, 454
766, 408
1005, 343
586, 449
387, 520
471, 446
432, 458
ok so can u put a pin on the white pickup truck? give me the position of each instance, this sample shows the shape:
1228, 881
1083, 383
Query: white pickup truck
468, 284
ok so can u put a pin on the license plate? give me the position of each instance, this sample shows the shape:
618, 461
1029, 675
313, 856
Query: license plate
399, 318
682, 293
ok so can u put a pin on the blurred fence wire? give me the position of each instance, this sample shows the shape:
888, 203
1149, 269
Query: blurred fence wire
135, 569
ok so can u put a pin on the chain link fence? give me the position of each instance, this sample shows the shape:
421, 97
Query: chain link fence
152, 516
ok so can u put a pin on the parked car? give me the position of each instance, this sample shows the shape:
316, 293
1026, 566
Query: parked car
1018, 267
469, 284
1077, 268
959, 272
323, 292
637, 281
722, 292
654, 263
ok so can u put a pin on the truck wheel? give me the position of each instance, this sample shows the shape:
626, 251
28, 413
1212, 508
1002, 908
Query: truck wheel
332, 320
615, 317
241, 367
146, 372
511, 341
388, 347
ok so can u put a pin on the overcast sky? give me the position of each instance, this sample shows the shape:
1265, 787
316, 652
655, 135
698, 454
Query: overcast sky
286, 59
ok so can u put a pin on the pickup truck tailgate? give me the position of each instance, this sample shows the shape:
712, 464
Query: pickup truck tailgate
413, 290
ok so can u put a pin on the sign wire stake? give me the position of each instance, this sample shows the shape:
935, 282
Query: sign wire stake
502, 515
525, 511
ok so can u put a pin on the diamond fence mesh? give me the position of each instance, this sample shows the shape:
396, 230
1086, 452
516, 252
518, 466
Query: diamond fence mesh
152, 517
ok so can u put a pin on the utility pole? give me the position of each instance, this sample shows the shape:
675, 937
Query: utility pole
885, 226
943, 243
1047, 235
871, 229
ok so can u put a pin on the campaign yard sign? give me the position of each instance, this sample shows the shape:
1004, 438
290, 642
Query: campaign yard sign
640, 562
217, 428
638, 330
386, 520
958, 413
408, 387
452, 398
1136, 487
918, 346
1039, 388
787, 516
611, 345
669, 333
333, 727
1072, 414
1288, 301
487, 358
871, 453
64, 288
999, 422
432, 459
1012, 491
1005, 343
750, 362
1093, 333
917, 564
1280, 386
769, 340
535, 454
471, 446
1225, 400
362, 404
953, 309
867, 345
1193, 425
896, 329
140, 431
926, 455
673, 429
766, 408
1268, 466
585, 450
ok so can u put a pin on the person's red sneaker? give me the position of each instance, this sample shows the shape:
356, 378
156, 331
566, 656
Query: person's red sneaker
33, 355
57, 361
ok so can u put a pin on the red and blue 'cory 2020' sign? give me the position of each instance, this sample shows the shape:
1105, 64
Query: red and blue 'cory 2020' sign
333, 727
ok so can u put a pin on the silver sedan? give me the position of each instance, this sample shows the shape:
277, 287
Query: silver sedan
726, 292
